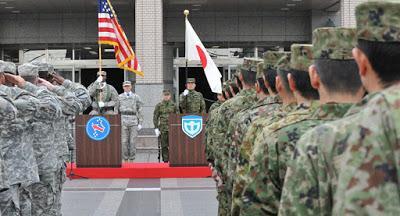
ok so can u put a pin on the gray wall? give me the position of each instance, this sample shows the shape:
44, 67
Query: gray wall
319, 18
241, 26
56, 28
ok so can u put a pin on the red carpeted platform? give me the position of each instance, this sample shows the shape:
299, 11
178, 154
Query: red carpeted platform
142, 170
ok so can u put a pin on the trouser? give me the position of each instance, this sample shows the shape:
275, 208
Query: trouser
164, 146
44, 195
9, 201
128, 139
223, 207
59, 182
25, 200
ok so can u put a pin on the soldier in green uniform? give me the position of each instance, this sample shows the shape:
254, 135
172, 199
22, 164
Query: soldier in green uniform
256, 199
160, 121
192, 101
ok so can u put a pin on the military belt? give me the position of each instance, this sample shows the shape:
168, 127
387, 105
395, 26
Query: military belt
128, 113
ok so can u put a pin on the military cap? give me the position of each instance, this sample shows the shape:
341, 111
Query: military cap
301, 57
249, 63
28, 69
271, 58
166, 92
7, 67
44, 66
260, 70
190, 80
103, 73
334, 43
378, 21
283, 63
126, 83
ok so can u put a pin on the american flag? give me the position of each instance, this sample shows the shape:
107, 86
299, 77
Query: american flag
111, 33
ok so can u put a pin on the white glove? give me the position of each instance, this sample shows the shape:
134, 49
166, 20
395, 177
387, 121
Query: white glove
139, 127
99, 79
186, 92
101, 104
157, 131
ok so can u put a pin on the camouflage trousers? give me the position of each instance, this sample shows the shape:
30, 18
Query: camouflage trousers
25, 200
164, 146
9, 201
128, 139
61, 177
223, 207
44, 195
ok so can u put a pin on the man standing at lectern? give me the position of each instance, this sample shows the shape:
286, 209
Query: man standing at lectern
192, 101
105, 97
130, 107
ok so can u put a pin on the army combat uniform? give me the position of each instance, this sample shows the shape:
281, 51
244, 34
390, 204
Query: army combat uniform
193, 102
105, 93
160, 121
130, 106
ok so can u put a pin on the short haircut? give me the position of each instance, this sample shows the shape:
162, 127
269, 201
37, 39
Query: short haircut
303, 85
339, 76
270, 77
235, 89
249, 77
262, 86
283, 75
240, 84
384, 59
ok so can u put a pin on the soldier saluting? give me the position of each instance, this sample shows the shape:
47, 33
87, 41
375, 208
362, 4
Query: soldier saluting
192, 101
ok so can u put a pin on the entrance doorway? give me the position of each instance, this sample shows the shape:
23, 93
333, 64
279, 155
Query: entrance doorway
115, 77
201, 83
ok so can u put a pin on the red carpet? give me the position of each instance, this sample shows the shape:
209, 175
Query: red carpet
142, 170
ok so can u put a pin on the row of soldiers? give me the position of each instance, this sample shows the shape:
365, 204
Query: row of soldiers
314, 131
36, 108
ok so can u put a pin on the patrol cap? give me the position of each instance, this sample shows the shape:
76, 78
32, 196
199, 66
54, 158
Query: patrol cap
43, 66
334, 43
271, 58
7, 67
378, 21
249, 63
283, 63
190, 80
102, 73
301, 57
260, 70
28, 69
127, 83
166, 92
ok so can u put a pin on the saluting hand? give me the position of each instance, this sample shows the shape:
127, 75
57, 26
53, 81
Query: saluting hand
47, 84
58, 78
14, 79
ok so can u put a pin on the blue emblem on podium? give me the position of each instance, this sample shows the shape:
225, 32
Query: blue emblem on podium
192, 125
98, 128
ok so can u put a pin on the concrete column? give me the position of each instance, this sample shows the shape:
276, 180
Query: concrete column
149, 50
348, 7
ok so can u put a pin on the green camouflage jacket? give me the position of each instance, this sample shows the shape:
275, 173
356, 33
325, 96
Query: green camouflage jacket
255, 199
214, 106
161, 114
192, 103
308, 181
208, 131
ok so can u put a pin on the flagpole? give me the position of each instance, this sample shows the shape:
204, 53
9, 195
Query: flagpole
186, 13
100, 58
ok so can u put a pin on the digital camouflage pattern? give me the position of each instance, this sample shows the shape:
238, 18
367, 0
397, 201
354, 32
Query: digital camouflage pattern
255, 199
214, 106
301, 56
272, 57
192, 103
160, 121
106, 93
378, 21
334, 43
208, 131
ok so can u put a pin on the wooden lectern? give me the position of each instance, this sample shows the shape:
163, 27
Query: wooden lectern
103, 153
183, 150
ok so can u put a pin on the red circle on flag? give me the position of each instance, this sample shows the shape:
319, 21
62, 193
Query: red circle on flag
202, 56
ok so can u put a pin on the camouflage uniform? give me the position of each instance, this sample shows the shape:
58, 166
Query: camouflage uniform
160, 121
130, 106
103, 92
305, 192
43, 192
245, 99
214, 106
193, 102
368, 177
258, 198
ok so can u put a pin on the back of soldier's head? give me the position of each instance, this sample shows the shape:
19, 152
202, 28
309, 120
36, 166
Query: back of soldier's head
249, 75
301, 59
333, 59
378, 34
271, 59
282, 70
29, 72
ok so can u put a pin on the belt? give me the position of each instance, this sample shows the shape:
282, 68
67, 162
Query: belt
128, 113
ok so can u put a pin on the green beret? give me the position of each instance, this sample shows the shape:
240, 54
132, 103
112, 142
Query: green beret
378, 21
301, 57
334, 43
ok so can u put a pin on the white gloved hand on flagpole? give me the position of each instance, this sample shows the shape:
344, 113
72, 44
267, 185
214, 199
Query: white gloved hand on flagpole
99, 79
139, 127
101, 104
157, 131
186, 92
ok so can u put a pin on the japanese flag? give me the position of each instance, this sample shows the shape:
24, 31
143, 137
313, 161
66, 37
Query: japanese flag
195, 51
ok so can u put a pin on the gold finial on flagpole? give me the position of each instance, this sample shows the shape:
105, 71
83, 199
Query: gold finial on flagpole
186, 12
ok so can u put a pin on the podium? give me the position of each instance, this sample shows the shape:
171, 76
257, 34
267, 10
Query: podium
98, 141
184, 150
